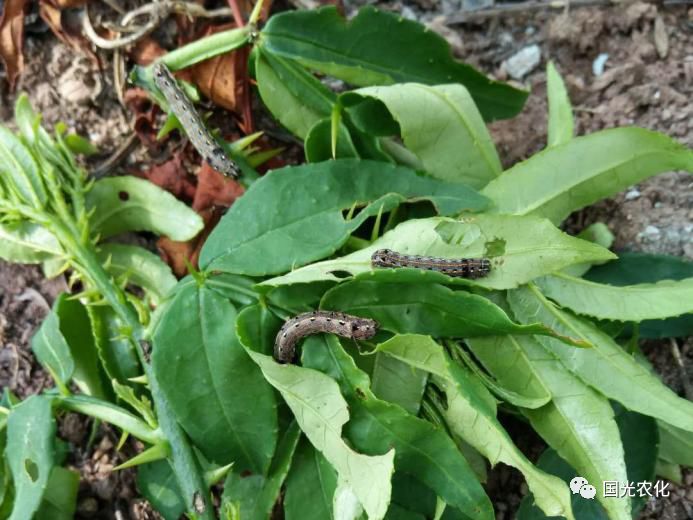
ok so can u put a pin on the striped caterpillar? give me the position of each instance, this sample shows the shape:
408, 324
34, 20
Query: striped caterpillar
461, 268
317, 322
199, 136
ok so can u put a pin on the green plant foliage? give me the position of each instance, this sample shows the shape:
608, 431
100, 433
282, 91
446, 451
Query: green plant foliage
359, 53
307, 222
402, 425
30, 453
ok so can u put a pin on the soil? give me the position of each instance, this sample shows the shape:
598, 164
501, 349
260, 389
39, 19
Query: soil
647, 81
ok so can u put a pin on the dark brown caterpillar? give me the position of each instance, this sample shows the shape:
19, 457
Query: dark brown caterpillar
461, 268
199, 136
317, 322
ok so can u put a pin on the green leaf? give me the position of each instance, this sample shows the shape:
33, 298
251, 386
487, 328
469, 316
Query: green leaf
130, 204
675, 444
421, 449
520, 249
625, 303
75, 328
379, 48
30, 452
639, 436
578, 422
398, 383
310, 486
425, 309
634, 268
117, 354
27, 243
318, 145
590, 168
306, 222
606, 367
255, 495
295, 97
462, 152
215, 390
60, 498
53, 352
469, 415
141, 268
321, 412
157, 483
19, 170
560, 124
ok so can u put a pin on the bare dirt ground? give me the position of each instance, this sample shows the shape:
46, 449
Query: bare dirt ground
647, 81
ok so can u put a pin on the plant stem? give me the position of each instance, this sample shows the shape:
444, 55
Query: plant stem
185, 466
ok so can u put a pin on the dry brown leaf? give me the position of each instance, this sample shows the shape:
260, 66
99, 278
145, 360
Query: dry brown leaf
68, 33
12, 39
172, 177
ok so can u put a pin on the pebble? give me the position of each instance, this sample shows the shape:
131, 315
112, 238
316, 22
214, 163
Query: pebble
651, 233
523, 62
599, 63
632, 194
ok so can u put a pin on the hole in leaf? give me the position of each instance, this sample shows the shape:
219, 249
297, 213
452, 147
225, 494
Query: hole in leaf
340, 274
31, 469
123, 195
495, 247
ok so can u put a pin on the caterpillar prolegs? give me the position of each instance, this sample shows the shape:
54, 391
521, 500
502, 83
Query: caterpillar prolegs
461, 267
316, 322
199, 136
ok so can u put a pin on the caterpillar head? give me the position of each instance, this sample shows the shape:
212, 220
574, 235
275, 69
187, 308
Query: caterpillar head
363, 328
382, 257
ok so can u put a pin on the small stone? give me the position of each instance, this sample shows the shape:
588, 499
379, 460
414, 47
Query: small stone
632, 194
88, 507
523, 62
599, 63
661, 38
651, 233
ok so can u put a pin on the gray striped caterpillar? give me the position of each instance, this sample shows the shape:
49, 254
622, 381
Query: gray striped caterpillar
316, 322
190, 120
460, 268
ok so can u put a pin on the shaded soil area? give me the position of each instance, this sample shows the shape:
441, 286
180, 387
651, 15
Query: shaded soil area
647, 81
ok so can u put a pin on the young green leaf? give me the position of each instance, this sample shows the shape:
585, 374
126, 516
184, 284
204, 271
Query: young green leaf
141, 268
295, 97
636, 268
470, 416
396, 382
464, 152
425, 309
53, 352
318, 145
310, 485
626, 303
306, 221
520, 249
675, 444
578, 422
560, 125
421, 449
565, 178
157, 483
60, 498
215, 390
256, 495
379, 48
27, 243
116, 352
20, 172
130, 204
30, 453
606, 367
321, 412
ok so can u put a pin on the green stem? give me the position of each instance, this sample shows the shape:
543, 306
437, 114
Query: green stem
185, 466
207, 47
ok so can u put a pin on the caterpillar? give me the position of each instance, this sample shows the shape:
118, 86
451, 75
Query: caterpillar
461, 268
317, 322
199, 136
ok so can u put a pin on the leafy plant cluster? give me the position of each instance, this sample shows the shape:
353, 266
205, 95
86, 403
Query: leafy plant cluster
401, 426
